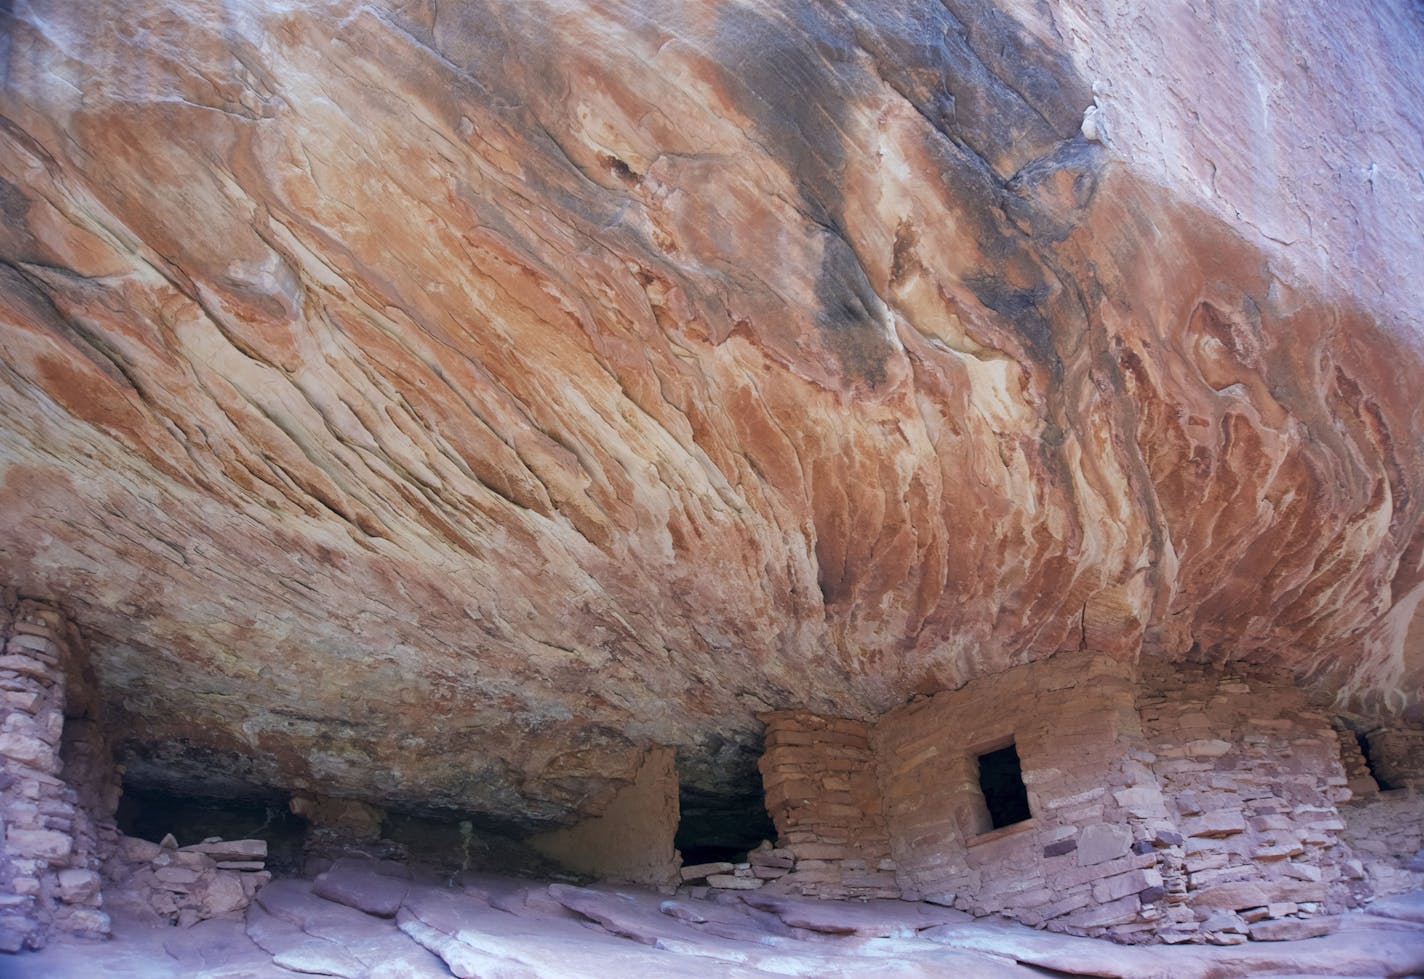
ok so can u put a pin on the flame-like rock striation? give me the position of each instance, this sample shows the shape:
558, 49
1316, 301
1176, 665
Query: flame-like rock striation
439, 403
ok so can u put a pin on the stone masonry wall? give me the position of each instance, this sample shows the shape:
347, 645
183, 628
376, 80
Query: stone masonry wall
56, 832
1358, 777
1086, 862
1183, 805
1385, 829
1253, 776
823, 797
1398, 755
1386, 833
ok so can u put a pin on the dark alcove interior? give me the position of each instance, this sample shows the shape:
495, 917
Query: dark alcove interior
717, 827
151, 814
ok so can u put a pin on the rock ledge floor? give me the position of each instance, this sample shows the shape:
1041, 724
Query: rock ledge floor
383, 922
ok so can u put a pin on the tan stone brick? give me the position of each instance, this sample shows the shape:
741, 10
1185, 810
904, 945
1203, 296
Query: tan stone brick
39, 844
1112, 888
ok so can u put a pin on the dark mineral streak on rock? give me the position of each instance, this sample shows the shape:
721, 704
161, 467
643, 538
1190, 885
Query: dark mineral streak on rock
977, 77
1022, 308
795, 67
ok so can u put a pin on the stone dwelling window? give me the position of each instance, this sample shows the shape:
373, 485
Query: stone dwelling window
1001, 781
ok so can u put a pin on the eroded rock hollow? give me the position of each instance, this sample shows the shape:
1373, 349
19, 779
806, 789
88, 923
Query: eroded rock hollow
452, 409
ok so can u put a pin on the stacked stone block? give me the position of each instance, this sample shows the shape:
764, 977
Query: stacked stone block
1253, 776
1181, 805
55, 833
1385, 828
1086, 861
1358, 777
1398, 756
824, 798
189, 884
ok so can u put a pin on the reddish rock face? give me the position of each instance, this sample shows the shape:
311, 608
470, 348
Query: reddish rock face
440, 405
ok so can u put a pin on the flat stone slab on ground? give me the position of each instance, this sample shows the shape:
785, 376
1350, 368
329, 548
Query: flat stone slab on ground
293, 900
294, 949
320, 958
871, 919
721, 937
1292, 929
142, 949
288, 915
360, 884
621, 913
1362, 947
729, 882
464, 961
1402, 907
452, 910
697, 871
230, 849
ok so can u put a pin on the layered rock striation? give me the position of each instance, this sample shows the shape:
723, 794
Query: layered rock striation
439, 405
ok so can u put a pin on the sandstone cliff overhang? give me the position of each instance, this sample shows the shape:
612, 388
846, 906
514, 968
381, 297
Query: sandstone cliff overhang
442, 404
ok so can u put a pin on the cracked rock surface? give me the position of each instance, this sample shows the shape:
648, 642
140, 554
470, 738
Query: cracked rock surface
438, 403
490, 926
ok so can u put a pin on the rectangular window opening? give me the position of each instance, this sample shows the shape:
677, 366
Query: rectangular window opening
1001, 781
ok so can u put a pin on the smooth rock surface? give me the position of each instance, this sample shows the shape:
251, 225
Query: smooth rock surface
359, 884
871, 919
443, 931
591, 377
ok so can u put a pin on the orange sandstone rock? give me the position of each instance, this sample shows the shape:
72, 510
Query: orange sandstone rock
439, 406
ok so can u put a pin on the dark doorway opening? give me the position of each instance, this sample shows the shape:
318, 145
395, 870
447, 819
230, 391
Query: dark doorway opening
723, 811
1001, 781
150, 814
716, 826
1383, 783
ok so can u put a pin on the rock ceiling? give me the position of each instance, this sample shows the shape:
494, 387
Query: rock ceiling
437, 404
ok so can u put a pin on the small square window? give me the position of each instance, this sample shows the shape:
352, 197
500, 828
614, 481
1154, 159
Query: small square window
1001, 781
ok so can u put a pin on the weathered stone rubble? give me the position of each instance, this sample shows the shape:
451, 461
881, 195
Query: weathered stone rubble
64, 863
188, 884
763, 864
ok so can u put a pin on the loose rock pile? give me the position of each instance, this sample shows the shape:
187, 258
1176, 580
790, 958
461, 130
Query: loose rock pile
188, 884
763, 865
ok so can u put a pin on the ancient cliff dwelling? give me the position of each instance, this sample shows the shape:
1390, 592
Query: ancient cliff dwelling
768, 487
